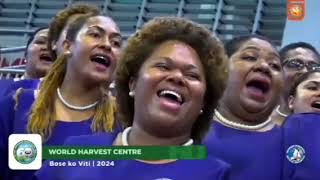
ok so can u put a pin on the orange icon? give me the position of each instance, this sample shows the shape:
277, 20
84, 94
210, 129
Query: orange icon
296, 10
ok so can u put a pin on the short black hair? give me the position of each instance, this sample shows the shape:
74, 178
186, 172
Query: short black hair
284, 51
234, 44
300, 79
32, 35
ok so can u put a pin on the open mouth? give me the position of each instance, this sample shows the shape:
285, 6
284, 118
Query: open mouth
316, 104
101, 59
172, 96
259, 86
46, 57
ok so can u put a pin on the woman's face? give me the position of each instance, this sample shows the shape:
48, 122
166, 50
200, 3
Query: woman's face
291, 73
37, 55
95, 50
169, 89
307, 97
255, 80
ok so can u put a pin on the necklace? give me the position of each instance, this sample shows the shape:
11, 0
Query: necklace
280, 113
124, 138
78, 108
240, 126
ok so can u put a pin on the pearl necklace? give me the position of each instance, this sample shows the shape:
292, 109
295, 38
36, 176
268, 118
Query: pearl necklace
77, 108
124, 138
280, 113
240, 126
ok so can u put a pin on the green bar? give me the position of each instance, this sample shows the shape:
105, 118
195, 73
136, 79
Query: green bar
123, 152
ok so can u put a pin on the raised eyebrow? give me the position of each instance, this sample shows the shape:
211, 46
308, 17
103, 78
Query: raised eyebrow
113, 34
44, 36
250, 47
97, 27
258, 49
166, 59
187, 67
314, 82
41, 36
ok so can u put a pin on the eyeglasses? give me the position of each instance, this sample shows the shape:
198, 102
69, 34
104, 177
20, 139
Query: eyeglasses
298, 64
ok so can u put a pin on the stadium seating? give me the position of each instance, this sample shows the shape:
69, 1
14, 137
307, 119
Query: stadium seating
227, 18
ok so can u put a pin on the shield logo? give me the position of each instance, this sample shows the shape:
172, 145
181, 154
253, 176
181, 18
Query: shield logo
296, 10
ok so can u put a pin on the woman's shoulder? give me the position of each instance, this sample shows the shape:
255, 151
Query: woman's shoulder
219, 168
7, 108
212, 163
296, 125
23, 100
4, 85
300, 134
6, 100
301, 129
209, 168
301, 120
219, 131
98, 139
25, 84
26, 95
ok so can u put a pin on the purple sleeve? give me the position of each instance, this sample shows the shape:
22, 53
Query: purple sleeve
6, 126
25, 84
4, 85
223, 174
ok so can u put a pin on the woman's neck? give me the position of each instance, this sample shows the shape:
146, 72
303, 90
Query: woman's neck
284, 108
229, 116
117, 142
225, 112
280, 112
141, 137
277, 118
75, 92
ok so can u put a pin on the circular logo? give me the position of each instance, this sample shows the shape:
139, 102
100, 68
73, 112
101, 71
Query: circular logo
25, 152
295, 154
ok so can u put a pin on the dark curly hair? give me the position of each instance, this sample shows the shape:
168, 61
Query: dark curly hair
60, 20
142, 44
